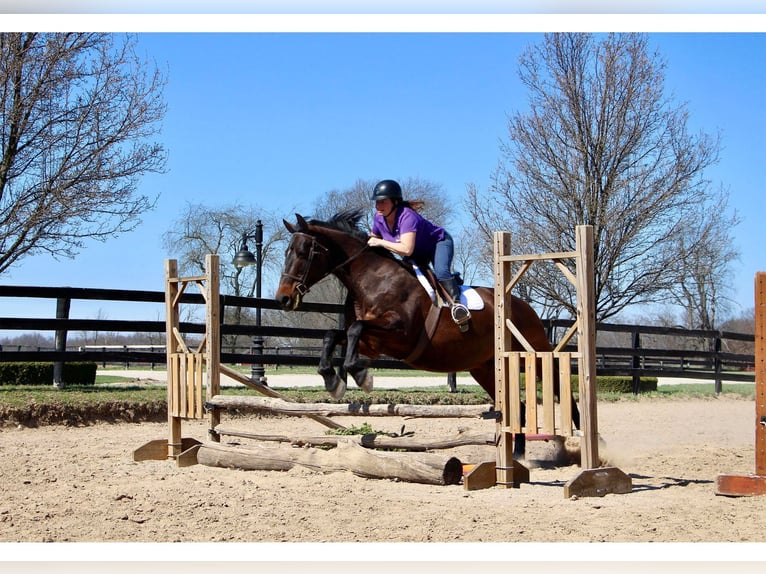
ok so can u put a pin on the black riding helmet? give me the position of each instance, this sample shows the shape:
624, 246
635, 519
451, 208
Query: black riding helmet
387, 189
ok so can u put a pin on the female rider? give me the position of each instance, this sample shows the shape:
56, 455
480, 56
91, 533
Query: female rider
398, 227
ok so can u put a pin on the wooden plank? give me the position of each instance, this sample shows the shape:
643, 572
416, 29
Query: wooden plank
502, 270
483, 475
158, 449
514, 400
519, 336
549, 400
269, 392
183, 393
566, 272
586, 337
565, 393
760, 375
172, 321
740, 485
567, 336
213, 334
199, 379
519, 274
539, 256
530, 383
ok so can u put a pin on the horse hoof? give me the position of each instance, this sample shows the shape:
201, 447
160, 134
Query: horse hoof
339, 390
366, 384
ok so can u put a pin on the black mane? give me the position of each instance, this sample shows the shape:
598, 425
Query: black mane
347, 221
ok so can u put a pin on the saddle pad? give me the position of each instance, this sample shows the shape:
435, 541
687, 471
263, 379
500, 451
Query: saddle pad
468, 295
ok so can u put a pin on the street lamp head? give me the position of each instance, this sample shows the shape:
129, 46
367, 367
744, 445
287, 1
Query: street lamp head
244, 256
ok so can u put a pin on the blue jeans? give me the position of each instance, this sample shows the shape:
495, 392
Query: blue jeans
443, 253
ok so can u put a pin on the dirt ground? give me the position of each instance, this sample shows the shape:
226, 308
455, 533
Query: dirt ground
81, 484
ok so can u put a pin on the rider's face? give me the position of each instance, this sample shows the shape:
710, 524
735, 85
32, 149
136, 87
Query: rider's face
384, 206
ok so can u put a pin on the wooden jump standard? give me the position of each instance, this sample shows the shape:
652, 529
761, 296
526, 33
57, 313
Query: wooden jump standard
754, 484
505, 471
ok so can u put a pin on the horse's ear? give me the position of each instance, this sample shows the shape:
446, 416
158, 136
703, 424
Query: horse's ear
301, 222
290, 227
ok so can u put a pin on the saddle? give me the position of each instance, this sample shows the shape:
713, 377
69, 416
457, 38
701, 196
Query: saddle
441, 298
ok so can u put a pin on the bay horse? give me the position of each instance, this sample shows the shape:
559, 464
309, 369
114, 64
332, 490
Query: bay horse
387, 309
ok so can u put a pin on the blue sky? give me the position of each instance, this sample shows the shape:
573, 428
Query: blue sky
278, 119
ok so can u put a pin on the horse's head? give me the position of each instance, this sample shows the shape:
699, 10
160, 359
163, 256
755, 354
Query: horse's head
317, 249
306, 263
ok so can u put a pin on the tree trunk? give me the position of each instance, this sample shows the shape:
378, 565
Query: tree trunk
423, 468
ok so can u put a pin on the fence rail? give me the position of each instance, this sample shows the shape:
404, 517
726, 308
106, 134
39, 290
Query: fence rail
626, 350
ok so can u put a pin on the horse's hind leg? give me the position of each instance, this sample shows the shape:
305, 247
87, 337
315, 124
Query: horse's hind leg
334, 383
354, 365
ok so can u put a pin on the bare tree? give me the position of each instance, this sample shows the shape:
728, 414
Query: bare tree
76, 113
699, 283
600, 145
201, 230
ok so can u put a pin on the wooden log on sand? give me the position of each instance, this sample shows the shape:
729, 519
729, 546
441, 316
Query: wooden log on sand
425, 468
370, 440
353, 409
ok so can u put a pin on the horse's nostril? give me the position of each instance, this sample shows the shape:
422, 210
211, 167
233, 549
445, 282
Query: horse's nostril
284, 300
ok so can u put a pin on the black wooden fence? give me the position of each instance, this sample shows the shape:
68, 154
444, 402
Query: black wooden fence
628, 350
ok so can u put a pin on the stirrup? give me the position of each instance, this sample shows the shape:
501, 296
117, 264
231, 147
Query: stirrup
460, 315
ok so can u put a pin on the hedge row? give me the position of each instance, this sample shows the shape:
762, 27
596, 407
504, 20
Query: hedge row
619, 384
615, 384
83, 373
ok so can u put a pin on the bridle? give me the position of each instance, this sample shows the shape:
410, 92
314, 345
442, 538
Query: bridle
316, 249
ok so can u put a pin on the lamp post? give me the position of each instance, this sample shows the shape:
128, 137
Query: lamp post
244, 258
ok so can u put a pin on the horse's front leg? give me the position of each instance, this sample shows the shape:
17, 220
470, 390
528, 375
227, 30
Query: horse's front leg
333, 382
354, 364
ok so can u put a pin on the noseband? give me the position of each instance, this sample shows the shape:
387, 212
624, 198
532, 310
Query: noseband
316, 249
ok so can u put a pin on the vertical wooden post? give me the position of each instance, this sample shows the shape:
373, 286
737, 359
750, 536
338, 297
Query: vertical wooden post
504, 459
592, 480
213, 343
171, 348
586, 340
63, 305
754, 484
508, 472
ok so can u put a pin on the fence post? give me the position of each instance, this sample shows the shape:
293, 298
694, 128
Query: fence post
717, 365
62, 312
636, 363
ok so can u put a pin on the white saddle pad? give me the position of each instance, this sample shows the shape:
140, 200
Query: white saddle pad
468, 295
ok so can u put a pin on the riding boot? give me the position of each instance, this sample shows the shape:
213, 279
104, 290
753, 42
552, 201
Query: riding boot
460, 313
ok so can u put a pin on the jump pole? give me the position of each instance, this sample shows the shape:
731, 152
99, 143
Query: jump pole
754, 484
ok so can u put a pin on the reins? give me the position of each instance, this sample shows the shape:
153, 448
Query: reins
302, 287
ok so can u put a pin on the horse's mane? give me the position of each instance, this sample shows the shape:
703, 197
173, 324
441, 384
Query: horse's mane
346, 221
349, 222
